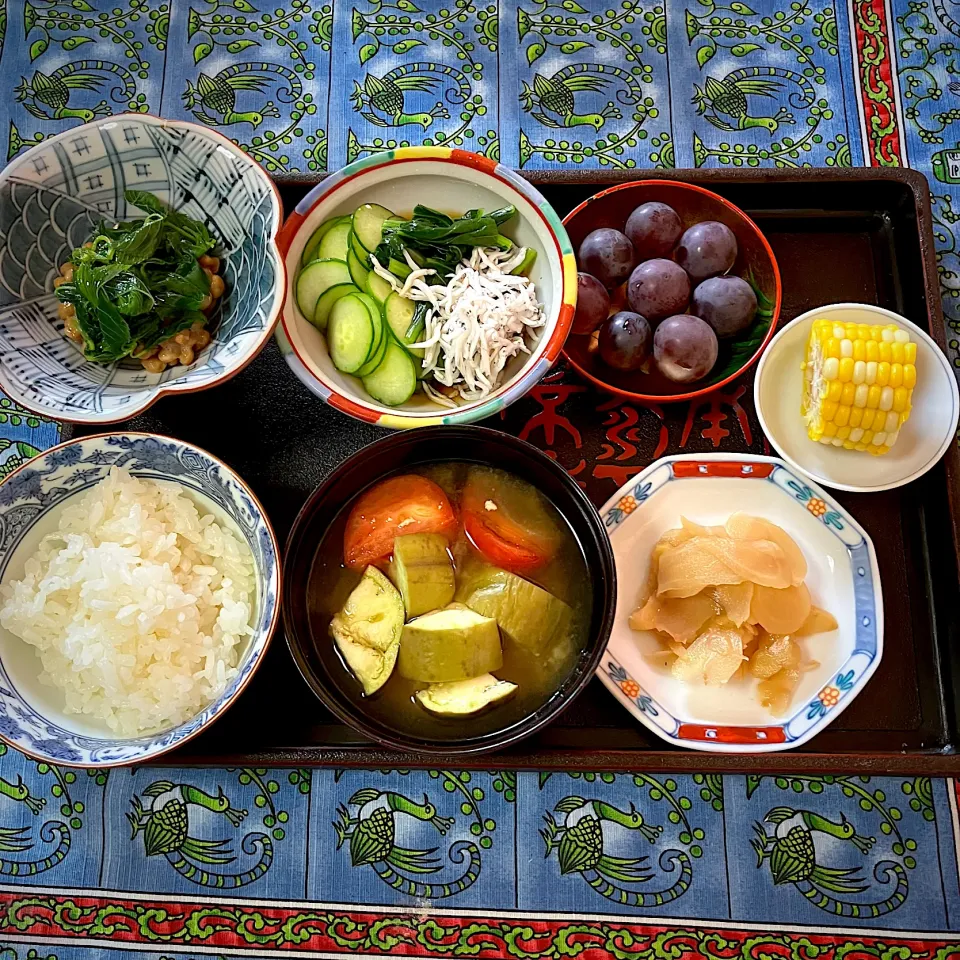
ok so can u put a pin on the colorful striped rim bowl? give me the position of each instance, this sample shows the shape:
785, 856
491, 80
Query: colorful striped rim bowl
453, 181
755, 263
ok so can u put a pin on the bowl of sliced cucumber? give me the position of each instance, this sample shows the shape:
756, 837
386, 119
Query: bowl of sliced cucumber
425, 285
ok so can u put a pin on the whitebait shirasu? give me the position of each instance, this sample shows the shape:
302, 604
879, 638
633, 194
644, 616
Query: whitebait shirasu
475, 323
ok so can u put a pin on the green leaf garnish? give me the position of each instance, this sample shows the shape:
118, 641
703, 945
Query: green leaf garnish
438, 242
139, 282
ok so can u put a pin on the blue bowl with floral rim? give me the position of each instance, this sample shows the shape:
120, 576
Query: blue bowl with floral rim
32, 717
52, 197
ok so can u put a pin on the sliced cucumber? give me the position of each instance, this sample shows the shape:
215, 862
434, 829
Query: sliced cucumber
325, 304
368, 224
376, 318
363, 255
395, 379
350, 333
315, 279
377, 287
310, 250
336, 241
400, 313
529, 258
358, 272
378, 354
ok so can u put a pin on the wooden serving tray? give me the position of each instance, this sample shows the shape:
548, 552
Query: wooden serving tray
857, 235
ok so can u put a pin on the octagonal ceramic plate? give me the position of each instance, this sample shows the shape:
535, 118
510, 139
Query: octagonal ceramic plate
842, 577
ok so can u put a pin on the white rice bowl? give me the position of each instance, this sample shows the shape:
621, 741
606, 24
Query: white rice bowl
139, 606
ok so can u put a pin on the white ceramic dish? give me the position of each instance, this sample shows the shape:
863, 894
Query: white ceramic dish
451, 181
924, 439
842, 576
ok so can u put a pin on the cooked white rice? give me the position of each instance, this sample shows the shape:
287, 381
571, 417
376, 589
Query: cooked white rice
138, 606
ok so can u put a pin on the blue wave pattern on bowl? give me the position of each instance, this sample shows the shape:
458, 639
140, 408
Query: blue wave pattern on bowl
68, 470
50, 200
854, 672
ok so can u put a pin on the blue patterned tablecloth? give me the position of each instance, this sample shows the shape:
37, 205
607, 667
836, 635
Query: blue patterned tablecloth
195, 863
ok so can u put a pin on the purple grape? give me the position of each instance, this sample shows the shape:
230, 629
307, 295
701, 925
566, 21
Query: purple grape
684, 348
593, 304
625, 341
608, 255
653, 229
728, 304
706, 249
657, 289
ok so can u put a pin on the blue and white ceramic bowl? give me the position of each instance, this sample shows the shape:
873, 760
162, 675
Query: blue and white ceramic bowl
52, 196
842, 576
32, 718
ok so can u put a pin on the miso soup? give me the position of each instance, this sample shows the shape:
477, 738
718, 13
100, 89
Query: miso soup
485, 578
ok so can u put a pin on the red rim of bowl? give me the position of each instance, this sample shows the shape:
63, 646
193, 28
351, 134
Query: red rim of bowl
702, 391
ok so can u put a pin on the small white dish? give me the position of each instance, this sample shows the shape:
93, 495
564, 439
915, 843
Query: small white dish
924, 439
842, 577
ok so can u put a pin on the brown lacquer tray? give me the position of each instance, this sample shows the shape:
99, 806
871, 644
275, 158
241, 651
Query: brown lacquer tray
859, 235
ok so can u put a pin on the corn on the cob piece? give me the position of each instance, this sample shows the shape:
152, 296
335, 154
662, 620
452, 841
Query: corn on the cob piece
858, 383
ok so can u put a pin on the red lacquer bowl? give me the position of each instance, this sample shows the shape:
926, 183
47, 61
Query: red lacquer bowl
755, 260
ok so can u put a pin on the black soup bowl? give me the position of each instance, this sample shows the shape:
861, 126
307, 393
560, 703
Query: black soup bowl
308, 605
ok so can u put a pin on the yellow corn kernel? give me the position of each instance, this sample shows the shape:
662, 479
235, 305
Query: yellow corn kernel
857, 384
